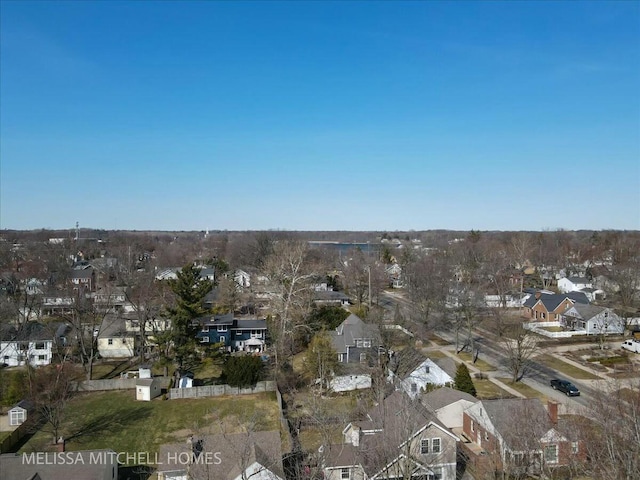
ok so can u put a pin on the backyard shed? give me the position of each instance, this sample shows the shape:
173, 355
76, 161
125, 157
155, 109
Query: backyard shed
148, 388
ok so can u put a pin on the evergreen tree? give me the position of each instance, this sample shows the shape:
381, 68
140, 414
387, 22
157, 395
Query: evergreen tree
242, 371
463, 380
190, 290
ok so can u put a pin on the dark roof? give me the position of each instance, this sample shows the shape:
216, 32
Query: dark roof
254, 324
30, 332
351, 329
443, 396
236, 452
516, 419
328, 295
405, 362
552, 301
14, 467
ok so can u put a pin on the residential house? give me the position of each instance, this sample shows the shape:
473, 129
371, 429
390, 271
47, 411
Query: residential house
573, 284
592, 320
33, 344
170, 273
114, 341
448, 404
356, 341
394, 273
234, 334
110, 299
84, 464
57, 304
238, 456
242, 278
543, 307
83, 279
519, 435
399, 438
330, 297
413, 373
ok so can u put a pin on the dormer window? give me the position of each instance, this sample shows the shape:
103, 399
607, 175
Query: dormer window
222, 328
205, 328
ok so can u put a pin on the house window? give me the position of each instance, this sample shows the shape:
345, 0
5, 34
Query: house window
363, 357
414, 388
6, 357
424, 446
486, 436
366, 343
17, 417
204, 339
542, 315
222, 339
437, 473
574, 447
42, 357
426, 369
205, 328
110, 341
344, 474
40, 346
359, 343
551, 454
473, 426
222, 328
124, 341
436, 446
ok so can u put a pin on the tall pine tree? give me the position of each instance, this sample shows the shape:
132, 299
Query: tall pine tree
190, 290
463, 380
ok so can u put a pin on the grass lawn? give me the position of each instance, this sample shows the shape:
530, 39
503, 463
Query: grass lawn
208, 371
565, 368
111, 369
487, 390
480, 363
312, 437
115, 420
434, 354
4, 435
438, 340
524, 389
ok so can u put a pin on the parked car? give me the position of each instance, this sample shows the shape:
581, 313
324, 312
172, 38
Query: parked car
566, 387
631, 345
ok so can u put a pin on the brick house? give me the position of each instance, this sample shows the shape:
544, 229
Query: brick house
544, 307
519, 436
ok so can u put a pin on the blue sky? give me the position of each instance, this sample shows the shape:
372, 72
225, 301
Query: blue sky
320, 115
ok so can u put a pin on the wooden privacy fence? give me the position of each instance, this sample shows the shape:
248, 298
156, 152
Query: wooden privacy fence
218, 390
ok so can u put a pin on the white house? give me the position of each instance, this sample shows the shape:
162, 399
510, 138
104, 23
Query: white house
170, 273
415, 379
573, 284
114, 341
592, 320
32, 344
148, 388
242, 278
348, 383
448, 405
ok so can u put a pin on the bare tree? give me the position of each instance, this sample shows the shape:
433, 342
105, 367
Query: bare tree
520, 349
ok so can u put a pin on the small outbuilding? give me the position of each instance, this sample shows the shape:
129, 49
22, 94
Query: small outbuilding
148, 388
19, 412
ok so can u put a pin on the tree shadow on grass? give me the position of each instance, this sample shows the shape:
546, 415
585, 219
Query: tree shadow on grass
109, 422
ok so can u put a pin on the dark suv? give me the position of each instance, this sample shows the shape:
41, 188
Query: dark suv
565, 387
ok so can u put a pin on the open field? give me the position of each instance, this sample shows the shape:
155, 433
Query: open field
117, 421
565, 368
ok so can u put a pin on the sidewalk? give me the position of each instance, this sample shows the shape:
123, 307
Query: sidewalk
474, 370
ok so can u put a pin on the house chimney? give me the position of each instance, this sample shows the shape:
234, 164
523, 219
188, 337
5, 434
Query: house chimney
60, 445
552, 407
538, 295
